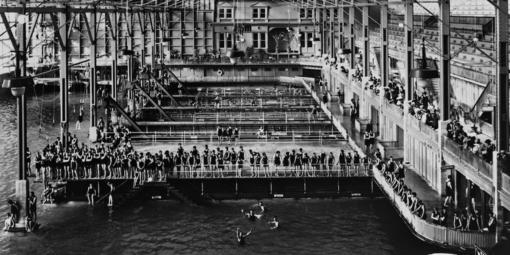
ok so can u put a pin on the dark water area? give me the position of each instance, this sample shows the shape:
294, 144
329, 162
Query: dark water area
340, 226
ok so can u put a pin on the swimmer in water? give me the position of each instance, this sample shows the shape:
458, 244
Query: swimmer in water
274, 224
251, 215
241, 237
261, 206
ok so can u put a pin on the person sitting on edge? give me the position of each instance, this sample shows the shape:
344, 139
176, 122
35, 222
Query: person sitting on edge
30, 224
457, 223
241, 237
9, 222
274, 224
14, 208
435, 216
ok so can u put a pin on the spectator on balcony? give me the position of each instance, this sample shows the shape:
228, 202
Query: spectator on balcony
491, 224
473, 223
449, 190
435, 216
457, 223
443, 218
420, 210
473, 191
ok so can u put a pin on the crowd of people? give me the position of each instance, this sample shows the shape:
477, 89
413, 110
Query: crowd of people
228, 135
424, 110
394, 173
14, 215
468, 219
455, 131
120, 160
74, 160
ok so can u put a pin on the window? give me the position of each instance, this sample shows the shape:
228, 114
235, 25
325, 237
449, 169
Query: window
225, 13
302, 13
309, 40
259, 13
225, 40
302, 39
259, 40
309, 13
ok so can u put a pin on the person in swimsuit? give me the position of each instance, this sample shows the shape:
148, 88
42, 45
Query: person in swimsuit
274, 224
110, 194
91, 193
241, 237
251, 215
277, 162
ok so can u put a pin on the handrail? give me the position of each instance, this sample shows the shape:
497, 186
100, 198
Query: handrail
230, 171
432, 232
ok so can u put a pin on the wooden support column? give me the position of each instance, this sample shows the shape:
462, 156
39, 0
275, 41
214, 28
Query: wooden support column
129, 42
501, 127
352, 43
444, 88
91, 27
341, 26
408, 63
409, 41
501, 121
115, 54
383, 68
332, 32
366, 42
444, 42
62, 36
154, 37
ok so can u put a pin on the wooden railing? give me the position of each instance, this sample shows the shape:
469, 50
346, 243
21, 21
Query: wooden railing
432, 232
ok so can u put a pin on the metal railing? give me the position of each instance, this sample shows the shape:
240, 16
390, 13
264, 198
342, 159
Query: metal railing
282, 136
468, 157
432, 232
233, 171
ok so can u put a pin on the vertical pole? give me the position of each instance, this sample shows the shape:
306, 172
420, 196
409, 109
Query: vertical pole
341, 26
351, 36
153, 39
502, 76
444, 90
384, 70
64, 125
115, 48
331, 32
93, 72
366, 43
444, 41
129, 42
408, 37
501, 127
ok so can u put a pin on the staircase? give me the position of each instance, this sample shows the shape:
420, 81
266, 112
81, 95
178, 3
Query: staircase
114, 103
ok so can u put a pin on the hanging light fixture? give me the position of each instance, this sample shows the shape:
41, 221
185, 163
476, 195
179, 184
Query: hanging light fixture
425, 72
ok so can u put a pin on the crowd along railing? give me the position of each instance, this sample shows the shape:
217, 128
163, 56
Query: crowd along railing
432, 232
467, 157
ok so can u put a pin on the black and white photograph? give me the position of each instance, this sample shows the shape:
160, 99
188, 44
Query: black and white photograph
245, 127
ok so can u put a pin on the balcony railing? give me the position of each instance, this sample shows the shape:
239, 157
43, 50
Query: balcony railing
468, 157
432, 232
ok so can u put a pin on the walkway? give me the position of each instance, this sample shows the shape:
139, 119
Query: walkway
423, 229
